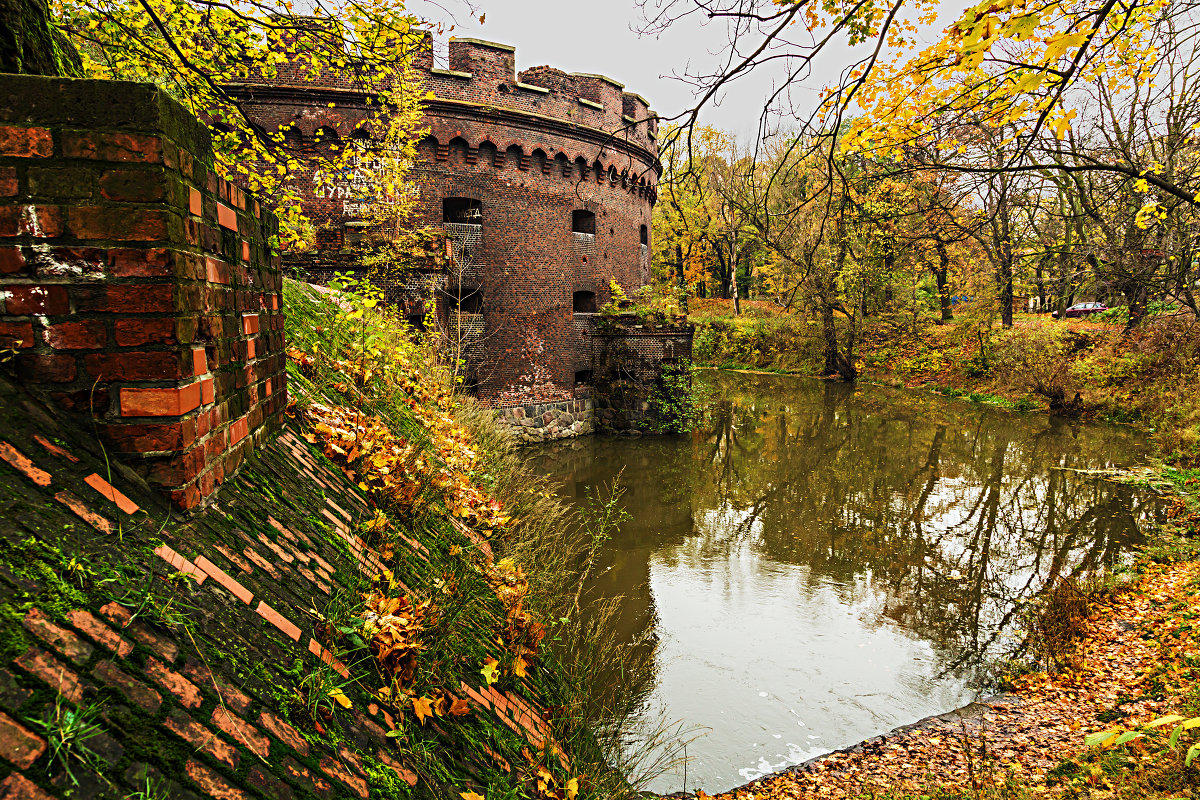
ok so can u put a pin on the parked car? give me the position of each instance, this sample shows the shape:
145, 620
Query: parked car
1082, 310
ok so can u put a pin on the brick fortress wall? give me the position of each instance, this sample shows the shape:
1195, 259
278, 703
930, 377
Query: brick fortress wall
135, 282
532, 149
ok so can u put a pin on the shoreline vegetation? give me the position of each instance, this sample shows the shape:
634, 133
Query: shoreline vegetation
1074, 368
1115, 653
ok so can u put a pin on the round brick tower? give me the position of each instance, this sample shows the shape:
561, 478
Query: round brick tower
545, 182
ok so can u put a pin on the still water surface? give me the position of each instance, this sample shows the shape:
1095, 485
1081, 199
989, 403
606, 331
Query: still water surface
823, 562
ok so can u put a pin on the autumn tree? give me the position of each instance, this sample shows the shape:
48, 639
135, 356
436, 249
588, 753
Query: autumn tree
683, 222
203, 52
1040, 81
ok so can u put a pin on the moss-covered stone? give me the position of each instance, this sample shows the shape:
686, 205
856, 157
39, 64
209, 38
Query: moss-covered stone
30, 44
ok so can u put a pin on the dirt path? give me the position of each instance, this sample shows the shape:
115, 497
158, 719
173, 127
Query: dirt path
1133, 638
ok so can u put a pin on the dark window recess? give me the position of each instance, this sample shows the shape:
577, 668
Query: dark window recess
417, 321
583, 222
360, 135
583, 377
329, 239
645, 235
463, 210
326, 136
583, 302
470, 385
292, 137
354, 233
469, 302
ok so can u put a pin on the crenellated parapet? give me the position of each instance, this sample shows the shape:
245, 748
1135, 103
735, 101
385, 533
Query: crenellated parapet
539, 152
591, 115
484, 73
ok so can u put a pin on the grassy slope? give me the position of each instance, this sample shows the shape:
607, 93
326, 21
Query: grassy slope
467, 475
466, 581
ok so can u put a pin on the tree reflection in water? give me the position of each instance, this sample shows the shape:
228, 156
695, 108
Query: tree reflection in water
932, 516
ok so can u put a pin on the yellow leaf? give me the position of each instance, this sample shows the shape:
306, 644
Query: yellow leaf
1030, 82
340, 697
422, 708
1059, 45
519, 666
470, 796
491, 671
572, 788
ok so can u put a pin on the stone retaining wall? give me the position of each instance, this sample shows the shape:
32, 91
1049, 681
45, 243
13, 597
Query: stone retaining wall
545, 422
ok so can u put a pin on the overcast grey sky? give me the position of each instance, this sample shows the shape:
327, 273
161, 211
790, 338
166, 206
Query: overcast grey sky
600, 36
597, 37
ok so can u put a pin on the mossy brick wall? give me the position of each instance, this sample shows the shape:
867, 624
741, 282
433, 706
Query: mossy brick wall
629, 359
138, 286
193, 643
533, 148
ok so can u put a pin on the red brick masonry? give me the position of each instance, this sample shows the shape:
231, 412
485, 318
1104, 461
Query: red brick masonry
531, 148
135, 283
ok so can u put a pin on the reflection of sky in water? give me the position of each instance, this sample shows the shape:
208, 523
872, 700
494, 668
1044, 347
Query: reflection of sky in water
760, 654
823, 565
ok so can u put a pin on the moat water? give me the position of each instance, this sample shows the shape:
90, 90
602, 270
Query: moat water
823, 563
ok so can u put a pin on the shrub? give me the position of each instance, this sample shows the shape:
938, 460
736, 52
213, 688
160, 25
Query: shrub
676, 404
1038, 357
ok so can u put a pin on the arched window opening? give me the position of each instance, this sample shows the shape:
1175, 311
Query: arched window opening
458, 150
326, 136
487, 154
644, 235
292, 137
583, 377
583, 302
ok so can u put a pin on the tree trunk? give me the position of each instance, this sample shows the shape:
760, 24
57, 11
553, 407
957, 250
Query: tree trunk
940, 275
733, 283
1041, 288
1006, 294
846, 366
828, 328
683, 293
720, 277
1003, 255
